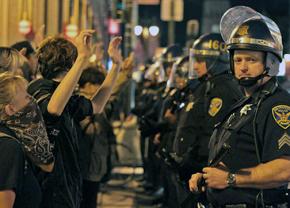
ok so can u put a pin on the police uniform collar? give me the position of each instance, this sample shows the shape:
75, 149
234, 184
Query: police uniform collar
266, 89
219, 75
203, 78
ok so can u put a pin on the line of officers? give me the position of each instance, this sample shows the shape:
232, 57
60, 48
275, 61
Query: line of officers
216, 134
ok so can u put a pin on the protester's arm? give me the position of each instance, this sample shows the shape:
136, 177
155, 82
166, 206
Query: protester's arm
65, 89
101, 97
124, 76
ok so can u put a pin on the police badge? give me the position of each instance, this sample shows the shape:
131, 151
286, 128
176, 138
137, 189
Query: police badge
243, 30
245, 109
281, 115
215, 106
189, 106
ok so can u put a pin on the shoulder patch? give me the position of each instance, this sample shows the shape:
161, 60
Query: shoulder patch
281, 115
172, 92
189, 106
215, 106
284, 140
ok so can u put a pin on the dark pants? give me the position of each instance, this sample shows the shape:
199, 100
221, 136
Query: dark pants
170, 194
90, 194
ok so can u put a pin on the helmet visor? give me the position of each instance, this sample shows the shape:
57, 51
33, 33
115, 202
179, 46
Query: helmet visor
236, 16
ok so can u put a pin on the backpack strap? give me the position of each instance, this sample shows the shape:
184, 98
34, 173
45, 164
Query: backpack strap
2, 134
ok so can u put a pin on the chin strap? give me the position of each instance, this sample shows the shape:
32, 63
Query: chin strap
251, 81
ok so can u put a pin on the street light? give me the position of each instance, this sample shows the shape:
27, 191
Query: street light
154, 30
25, 27
71, 30
138, 30
145, 31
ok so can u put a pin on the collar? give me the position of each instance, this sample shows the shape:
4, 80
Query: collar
265, 90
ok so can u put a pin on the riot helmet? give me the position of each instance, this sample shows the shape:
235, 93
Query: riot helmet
155, 72
179, 75
243, 28
210, 49
169, 56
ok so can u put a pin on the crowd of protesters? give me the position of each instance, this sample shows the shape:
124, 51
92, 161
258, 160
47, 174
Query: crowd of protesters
55, 130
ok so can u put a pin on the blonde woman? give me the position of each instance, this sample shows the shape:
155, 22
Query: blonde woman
11, 61
23, 142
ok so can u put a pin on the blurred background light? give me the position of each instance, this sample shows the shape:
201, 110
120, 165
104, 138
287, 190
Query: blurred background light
138, 30
154, 30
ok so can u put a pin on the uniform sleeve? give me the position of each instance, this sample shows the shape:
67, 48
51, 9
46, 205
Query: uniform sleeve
276, 136
12, 165
80, 107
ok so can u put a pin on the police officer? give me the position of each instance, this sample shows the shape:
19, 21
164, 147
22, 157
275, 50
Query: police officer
252, 142
152, 122
171, 107
216, 92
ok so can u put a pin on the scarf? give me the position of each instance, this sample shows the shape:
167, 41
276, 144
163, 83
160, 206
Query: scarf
29, 128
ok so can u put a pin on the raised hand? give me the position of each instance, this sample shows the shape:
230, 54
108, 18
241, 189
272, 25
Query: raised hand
128, 63
98, 50
83, 42
114, 51
39, 35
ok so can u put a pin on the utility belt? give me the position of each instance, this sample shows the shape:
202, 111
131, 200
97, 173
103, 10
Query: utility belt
284, 205
167, 158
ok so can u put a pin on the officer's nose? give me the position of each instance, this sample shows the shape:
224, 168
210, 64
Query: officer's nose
244, 66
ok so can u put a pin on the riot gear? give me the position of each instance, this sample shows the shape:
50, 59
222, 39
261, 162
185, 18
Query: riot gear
159, 70
243, 28
171, 54
211, 49
180, 73
155, 72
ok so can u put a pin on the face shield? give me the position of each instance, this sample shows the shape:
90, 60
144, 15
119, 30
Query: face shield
195, 68
155, 72
191, 72
236, 16
170, 82
181, 75
243, 28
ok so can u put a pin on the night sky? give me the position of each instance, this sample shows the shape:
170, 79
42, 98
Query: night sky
278, 11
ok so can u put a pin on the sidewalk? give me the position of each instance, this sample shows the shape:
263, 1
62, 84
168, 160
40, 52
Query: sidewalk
121, 193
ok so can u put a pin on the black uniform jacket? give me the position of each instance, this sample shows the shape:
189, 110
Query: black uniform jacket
208, 104
257, 130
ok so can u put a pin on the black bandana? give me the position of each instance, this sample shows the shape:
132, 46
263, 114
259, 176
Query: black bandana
29, 127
